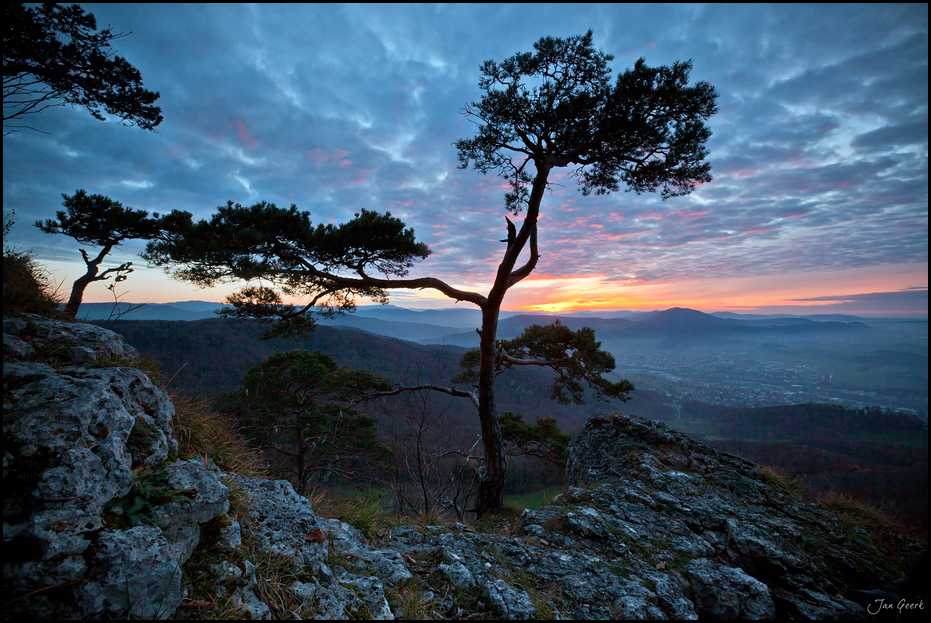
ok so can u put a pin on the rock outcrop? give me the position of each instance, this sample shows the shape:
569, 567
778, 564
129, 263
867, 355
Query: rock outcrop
102, 518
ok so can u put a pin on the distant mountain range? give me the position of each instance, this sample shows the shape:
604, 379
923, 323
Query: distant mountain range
457, 326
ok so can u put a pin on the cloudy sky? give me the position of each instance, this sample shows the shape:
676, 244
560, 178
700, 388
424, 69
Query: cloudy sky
819, 154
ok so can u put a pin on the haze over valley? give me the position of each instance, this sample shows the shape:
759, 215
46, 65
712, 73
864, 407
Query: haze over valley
722, 359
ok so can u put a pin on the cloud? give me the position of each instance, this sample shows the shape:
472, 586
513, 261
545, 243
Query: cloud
893, 137
819, 153
917, 294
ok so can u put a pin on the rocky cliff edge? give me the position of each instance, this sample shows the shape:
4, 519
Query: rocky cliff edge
101, 518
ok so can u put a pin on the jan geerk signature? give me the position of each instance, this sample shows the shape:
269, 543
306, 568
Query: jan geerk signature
902, 605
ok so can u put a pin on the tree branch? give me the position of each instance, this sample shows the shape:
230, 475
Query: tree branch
452, 391
522, 272
514, 361
421, 283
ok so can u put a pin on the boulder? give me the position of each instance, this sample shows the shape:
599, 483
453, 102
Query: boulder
97, 511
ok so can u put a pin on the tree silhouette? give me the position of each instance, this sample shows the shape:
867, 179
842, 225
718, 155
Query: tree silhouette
98, 220
550, 109
53, 55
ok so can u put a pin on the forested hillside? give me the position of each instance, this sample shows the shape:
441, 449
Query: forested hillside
206, 357
878, 456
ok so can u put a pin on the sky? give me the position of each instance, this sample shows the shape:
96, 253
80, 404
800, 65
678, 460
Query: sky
819, 152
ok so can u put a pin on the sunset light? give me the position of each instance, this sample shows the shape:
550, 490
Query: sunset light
620, 298
819, 185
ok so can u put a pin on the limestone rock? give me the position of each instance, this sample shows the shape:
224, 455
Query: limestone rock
722, 592
94, 502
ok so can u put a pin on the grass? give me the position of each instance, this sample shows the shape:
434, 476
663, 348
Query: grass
410, 600
201, 432
535, 500
369, 512
857, 513
27, 287
790, 487
899, 546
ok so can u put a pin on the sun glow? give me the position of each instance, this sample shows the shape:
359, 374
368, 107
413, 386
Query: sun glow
552, 294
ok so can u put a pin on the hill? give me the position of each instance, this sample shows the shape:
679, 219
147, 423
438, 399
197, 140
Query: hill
205, 357
456, 326
830, 447
880, 457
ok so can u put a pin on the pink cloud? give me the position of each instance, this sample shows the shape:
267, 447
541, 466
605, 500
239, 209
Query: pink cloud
244, 135
321, 157
361, 179
745, 172
689, 215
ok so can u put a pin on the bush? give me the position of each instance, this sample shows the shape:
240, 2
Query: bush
27, 288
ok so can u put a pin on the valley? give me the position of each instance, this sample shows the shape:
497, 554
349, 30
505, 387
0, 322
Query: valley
740, 361
842, 406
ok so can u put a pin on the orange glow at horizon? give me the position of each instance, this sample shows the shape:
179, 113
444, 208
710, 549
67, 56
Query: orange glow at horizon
544, 293
551, 294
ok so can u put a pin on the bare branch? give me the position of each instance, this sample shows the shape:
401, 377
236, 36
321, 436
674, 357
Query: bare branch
452, 391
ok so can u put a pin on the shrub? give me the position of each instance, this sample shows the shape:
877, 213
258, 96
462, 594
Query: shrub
27, 288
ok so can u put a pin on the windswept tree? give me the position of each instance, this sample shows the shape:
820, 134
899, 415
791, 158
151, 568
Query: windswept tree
98, 220
554, 108
53, 55
298, 406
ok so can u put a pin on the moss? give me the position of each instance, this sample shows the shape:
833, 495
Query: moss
358, 611
613, 567
679, 560
339, 560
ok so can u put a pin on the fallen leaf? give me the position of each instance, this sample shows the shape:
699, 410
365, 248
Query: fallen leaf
407, 558
661, 566
316, 536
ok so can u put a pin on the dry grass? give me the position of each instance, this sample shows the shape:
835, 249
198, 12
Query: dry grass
368, 512
858, 512
201, 432
27, 286
410, 600
785, 484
